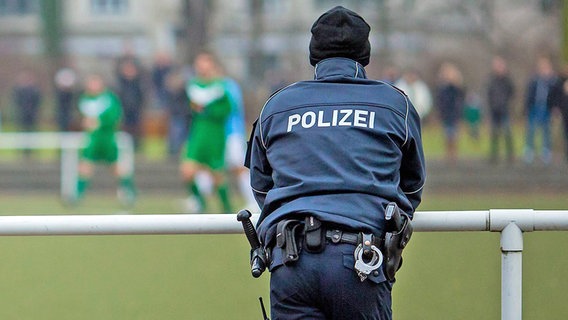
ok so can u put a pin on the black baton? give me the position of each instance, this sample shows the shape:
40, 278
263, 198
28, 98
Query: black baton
264, 316
258, 255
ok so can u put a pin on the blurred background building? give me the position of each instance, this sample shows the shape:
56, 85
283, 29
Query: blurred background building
264, 43
87, 31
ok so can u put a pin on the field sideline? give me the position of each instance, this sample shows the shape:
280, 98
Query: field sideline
445, 276
155, 148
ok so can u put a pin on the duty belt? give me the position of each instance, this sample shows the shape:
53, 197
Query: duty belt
311, 234
291, 233
337, 236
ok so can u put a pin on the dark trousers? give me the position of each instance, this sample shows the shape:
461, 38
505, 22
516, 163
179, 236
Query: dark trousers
135, 131
501, 126
538, 117
177, 134
565, 125
324, 286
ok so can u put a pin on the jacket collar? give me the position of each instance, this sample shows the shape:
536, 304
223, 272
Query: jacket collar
342, 67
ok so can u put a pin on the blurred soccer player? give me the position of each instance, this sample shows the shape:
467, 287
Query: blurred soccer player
102, 112
211, 106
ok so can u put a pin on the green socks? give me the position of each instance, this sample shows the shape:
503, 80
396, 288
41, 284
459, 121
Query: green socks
127, 183
223, 191
126, 191
82, 185
193, 189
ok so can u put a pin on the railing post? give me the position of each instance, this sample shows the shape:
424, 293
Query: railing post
511, 272
125, 154
69, 172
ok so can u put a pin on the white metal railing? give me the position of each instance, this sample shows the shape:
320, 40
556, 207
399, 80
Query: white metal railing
69, 143
510, 223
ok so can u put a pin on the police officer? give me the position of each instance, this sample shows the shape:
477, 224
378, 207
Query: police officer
326, 157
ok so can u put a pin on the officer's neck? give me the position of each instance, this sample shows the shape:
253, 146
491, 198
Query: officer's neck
339, 67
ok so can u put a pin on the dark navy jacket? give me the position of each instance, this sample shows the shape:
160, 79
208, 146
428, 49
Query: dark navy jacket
339, 147
532, 93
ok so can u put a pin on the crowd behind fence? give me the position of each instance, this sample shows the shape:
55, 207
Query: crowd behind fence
154, 101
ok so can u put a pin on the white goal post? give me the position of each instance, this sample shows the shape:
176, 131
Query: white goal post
69, 143
509, 222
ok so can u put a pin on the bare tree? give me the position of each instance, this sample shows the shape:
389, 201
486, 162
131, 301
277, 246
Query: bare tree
196, 18
256, 54
564, 19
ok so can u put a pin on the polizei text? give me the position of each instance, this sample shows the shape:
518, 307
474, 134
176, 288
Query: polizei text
332, 118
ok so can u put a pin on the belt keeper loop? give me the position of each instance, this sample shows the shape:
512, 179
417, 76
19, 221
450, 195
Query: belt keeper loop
367, 241
336, 237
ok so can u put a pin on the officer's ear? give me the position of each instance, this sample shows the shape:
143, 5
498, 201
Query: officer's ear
249, 145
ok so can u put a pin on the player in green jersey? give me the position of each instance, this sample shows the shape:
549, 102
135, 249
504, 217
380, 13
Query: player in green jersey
102, 112
211, 106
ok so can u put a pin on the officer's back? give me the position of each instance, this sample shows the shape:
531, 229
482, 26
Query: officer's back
335, 145
337, 149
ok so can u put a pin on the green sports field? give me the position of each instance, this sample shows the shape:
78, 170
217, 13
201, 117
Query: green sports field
445, 276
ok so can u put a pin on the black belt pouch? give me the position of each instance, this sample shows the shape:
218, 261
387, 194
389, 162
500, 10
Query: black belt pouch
314, 235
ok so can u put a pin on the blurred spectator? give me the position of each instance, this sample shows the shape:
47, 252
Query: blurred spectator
472, 114
128, 55
417, 91
131, 96
1, 120
559, 99
450, 99
179, 112
27, 99
390, 74
537, 110
160, 70
500, 91
275, 79
65, 94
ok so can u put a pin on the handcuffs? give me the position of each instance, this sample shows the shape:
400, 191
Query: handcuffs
398, 232
364, 269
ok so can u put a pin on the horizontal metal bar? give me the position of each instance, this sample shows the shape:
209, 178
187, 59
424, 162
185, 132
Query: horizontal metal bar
119, 225
451, 221
548, 220
227, 224
51, 140
41, 140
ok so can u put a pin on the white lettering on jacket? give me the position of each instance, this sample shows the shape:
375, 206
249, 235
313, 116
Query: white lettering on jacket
332, 118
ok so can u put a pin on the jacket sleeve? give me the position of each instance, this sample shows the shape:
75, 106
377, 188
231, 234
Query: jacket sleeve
412, 169
260, 169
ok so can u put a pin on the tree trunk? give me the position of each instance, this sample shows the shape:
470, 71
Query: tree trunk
256, 55
52, 21
564, 23
385, 55
196, 17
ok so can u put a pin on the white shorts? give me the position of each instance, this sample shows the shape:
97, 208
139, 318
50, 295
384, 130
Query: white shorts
235, 151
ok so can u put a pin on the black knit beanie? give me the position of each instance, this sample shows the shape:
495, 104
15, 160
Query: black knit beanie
340, 32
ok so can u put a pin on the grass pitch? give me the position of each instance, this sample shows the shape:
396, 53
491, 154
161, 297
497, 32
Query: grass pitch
445, 276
